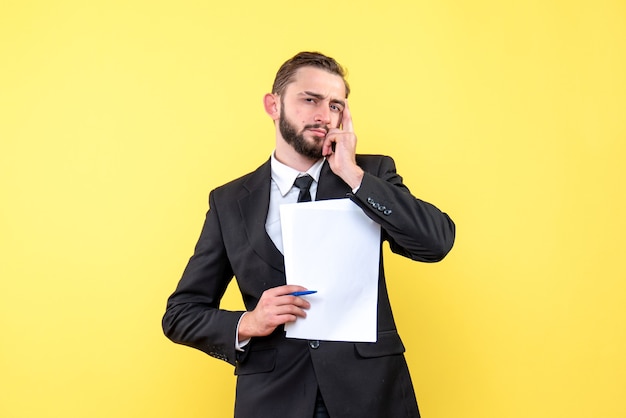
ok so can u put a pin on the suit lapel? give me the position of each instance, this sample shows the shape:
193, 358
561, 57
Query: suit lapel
330, 185
255, 204
254, 207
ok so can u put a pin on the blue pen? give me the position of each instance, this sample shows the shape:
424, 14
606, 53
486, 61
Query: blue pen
303, 293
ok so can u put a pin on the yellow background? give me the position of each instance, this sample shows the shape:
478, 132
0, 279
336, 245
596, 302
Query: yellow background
118, 117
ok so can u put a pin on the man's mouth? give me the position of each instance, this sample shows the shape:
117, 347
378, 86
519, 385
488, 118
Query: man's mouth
318, 131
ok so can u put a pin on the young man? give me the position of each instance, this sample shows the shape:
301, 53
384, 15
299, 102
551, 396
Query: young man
280, 377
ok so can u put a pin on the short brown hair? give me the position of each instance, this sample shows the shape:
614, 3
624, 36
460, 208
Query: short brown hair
286, 72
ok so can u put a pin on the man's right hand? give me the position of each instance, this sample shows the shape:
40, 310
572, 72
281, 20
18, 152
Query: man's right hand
276, 307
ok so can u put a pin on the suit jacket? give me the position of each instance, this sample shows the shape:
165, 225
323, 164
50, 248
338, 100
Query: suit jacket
280, 377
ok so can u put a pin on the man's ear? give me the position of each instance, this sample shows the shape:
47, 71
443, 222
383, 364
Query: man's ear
272, 105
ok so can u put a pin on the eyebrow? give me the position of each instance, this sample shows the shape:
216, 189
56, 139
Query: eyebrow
321, 96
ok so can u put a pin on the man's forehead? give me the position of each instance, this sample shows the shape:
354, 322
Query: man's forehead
318, 81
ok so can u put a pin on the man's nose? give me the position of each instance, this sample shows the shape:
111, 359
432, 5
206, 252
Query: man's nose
323, 115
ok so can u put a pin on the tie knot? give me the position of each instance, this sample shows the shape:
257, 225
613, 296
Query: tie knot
304, 183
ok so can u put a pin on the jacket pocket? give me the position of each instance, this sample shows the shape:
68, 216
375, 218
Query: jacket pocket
388, 344
261, 361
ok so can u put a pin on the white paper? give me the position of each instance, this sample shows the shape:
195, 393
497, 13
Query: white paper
331, 246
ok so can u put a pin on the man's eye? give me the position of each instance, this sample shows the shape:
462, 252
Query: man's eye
335, 108
310, 100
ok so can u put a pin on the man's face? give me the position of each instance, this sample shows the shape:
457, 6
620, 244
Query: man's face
309, 107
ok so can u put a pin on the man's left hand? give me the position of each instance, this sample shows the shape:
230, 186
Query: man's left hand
339, 148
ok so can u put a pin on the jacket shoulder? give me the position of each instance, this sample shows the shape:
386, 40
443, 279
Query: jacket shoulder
374, 163
246, 182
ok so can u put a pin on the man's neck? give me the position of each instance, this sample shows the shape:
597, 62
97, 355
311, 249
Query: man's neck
288, 156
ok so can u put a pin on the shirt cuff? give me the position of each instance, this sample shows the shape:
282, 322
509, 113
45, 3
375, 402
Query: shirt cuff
239, 345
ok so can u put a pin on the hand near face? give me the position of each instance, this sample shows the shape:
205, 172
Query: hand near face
342, 160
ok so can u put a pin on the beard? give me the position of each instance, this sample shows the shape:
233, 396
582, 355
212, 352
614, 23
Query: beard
311, 149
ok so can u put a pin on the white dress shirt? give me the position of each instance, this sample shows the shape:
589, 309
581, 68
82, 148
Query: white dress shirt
283, 191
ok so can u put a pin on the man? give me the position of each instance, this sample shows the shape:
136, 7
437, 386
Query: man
278, 377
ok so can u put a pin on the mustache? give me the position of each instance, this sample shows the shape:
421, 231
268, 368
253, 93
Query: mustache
316, 126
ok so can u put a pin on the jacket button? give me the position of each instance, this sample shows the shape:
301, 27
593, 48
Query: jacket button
314, 344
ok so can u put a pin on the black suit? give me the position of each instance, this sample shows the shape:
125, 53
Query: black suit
279, 377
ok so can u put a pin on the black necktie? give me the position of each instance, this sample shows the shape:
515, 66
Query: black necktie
304, 184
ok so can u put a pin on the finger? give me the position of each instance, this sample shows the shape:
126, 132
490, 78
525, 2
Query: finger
346, 119
284, 290
291, 310
284, 319
328, 147
287, 314
299, 302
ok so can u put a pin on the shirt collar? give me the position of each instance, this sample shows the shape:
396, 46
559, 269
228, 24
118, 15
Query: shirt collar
284, 176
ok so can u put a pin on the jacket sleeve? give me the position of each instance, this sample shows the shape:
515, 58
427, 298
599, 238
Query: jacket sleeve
192, 316
414, 228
